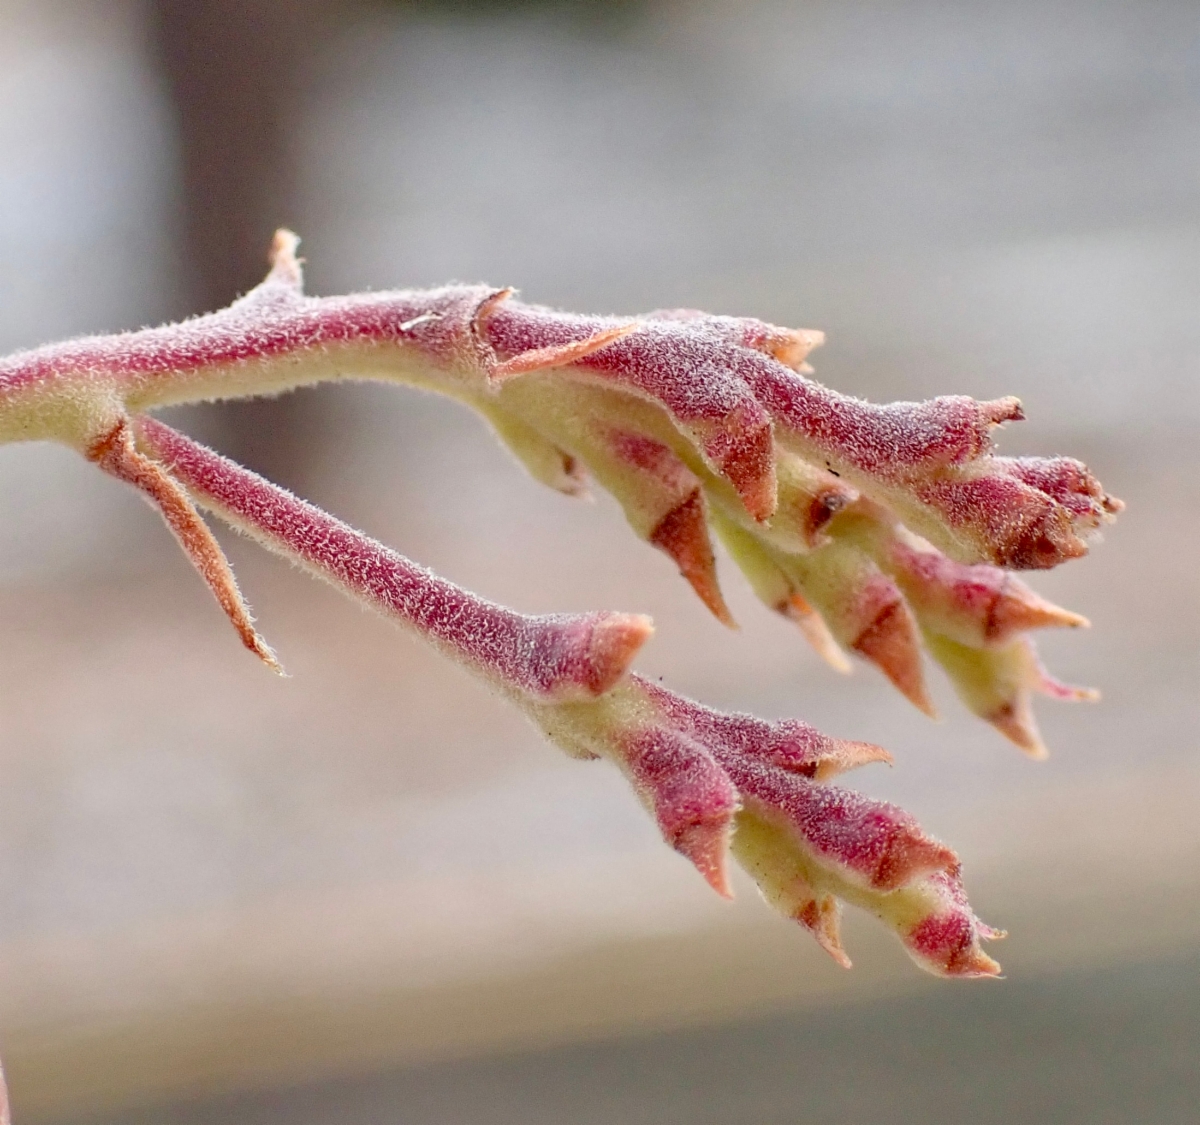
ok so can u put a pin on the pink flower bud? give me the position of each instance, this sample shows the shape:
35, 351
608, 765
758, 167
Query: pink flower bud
691, 796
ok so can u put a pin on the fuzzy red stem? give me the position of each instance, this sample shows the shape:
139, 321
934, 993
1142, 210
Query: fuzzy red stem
553, 656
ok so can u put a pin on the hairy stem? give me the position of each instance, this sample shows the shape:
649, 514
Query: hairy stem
556, 656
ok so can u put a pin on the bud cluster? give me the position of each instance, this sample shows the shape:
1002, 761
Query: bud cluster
883, 531
710, 779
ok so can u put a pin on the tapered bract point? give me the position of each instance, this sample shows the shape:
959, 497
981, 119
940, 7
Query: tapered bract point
706, 846
559, 355
683, 534
1019, 609
749, 465
1001, 410
816, 632
1015, 721
850, 755
971, 963
285, 265
615, 641
115, 454
791, 345
1046, 684
822, 918
891, 643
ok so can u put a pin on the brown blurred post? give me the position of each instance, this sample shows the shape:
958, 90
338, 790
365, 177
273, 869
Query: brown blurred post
236, 71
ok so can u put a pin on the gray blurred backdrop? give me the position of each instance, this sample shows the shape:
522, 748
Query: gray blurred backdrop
370, 894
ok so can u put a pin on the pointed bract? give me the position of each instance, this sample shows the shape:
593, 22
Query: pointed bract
116, 455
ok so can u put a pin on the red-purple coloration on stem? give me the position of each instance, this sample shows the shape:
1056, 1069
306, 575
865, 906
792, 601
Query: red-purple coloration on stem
553, 657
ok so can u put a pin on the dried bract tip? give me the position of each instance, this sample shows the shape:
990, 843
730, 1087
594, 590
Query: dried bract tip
285, 265
822, 918
559, 355
1001, 410
1015, 720
791, 345
116, 455
845, 756
816, 632
1019, 609
1068, 693
706, 847
683, 535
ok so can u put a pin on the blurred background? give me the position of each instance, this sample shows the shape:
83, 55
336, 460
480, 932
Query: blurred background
368, 893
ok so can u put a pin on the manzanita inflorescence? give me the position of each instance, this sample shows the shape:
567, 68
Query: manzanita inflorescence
705, 776
879, 529
883, 530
